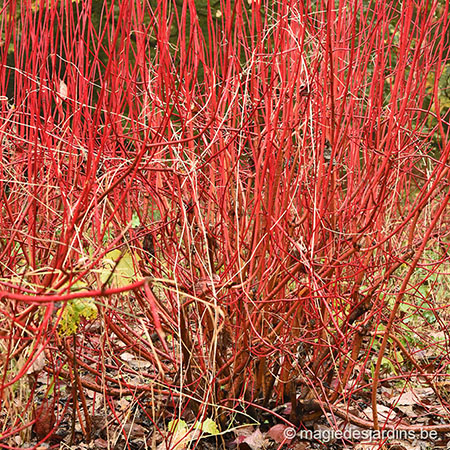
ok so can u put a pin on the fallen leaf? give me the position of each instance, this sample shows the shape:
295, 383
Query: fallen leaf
125, 356
383, 413
278, 433
406, 398
179, 440
123, 404
141, 364
135, 431
45, 419
256, 440
243, 432
37, 365
100, 443
424, 392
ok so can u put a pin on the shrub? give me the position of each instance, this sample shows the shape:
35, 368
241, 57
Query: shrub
286, 165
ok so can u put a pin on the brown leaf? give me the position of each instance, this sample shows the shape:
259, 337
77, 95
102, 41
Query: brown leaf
256, 440
278, 433
148, 245
203, 286
135, 431
45, 419
37, 365
100, 443
405, 399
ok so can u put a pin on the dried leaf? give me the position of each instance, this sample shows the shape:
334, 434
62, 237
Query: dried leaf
45, 419
100, 443
123, 404
135, 431
62, 89
383, 413
37, 365
256, 440
242, 432
125, 356
406, 398
278, 433
204, 286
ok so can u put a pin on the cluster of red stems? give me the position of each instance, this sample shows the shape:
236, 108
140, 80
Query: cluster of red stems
288, 162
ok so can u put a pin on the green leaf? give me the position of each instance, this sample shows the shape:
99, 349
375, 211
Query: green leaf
177, 426
387, 365
135, 221
208, 426
118, 267
429, 316
72, 314
423, 291
403, 307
